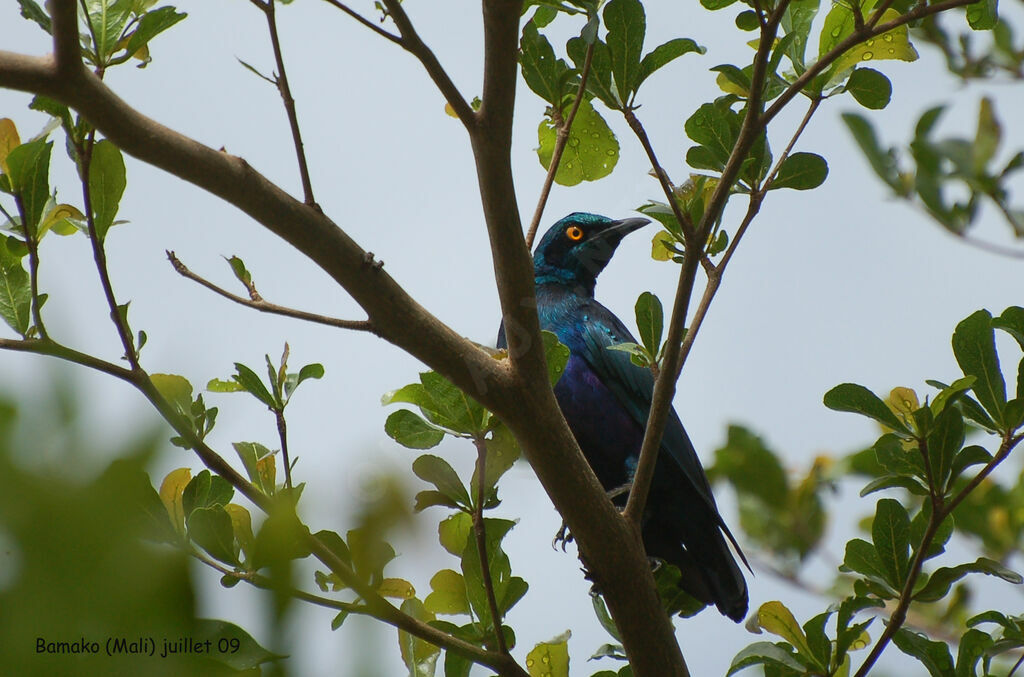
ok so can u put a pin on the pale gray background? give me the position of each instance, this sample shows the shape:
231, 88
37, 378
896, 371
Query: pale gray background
835, 285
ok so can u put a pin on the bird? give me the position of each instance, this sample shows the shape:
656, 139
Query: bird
606, 398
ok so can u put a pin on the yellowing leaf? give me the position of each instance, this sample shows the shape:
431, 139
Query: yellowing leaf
449, 110
903, 402
730, 87
9, 140
892, 45
659, 246
550, 659
170, 493
267, 470
241, 524
778, 620
863, 641
57, 219
176, 390
448, 594
397, 588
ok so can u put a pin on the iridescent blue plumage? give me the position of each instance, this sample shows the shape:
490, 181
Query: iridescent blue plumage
605, 398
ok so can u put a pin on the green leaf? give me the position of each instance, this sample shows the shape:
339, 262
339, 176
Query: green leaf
627, 25
550, 658
502, 452
944, 441
716, 4
801, 171
1012, 322
313, 371
767, 654
870, 88
890, 532
453, 532
968, 456
206, 491
29, 172
973, 645
210, 528
715, 127
862, 558
599, 83
448, 594
447, 406
975, 350
33, 12
106, 184
430, 498
664, 54
176, 390
251, 453
248, 379
411, 431
436, 470
370, 554
556, 354
152, 24
15, 291
603, 616
859, 400
934, 655
498, 566
882, 161
796, 22
240, 271
839, 23
216, 385
943, 579
891, 481
650, 321
249, 653
419, 655
983, 15
591, 151
547, 76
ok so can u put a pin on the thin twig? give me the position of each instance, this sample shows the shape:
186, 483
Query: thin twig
560, 142
412, 43
265, 306
366, 22
32, 243
479, 530
289, 101
282, 432
659, 172
100, 256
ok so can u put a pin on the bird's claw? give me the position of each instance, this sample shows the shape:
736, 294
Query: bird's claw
561, 537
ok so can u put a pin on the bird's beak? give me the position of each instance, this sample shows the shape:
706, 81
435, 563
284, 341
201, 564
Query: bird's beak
616, 230
626, 226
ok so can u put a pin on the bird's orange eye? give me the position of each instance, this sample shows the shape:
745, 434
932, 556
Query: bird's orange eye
574, 233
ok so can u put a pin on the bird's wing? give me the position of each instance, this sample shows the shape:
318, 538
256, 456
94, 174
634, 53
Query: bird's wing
633, 386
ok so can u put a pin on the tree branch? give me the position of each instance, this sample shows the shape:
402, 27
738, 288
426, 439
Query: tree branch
366, 22
556, 156
289, 102
258, 303
414, 45
480, 532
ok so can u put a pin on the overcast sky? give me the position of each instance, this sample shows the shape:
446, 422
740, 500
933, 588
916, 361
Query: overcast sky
840, 284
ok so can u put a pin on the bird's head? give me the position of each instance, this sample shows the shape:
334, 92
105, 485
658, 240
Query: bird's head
576, 249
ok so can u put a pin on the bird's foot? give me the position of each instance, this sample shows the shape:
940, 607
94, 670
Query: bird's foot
619, 491
561, 538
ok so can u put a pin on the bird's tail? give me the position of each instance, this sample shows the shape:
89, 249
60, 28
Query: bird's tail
696, 544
